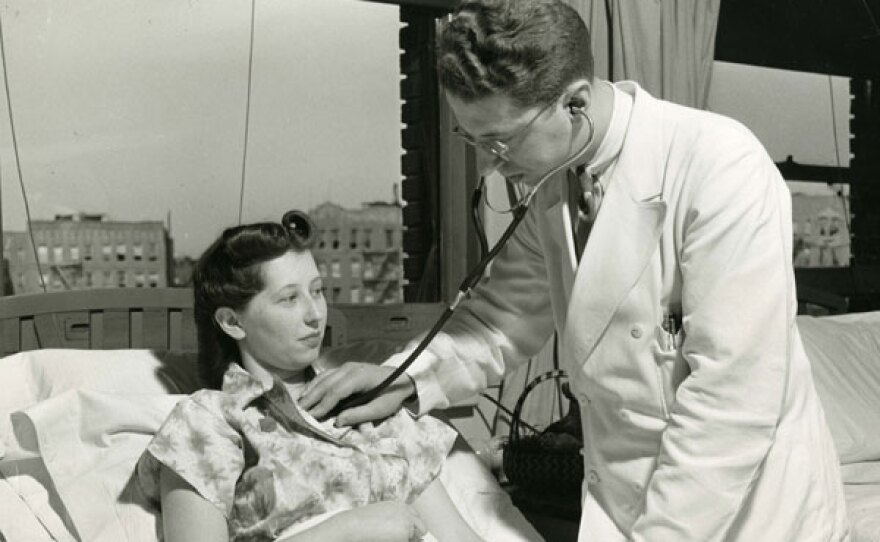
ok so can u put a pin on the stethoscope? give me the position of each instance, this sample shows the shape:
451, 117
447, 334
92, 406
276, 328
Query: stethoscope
518, 212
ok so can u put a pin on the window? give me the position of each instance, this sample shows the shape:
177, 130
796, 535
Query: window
120, 279
353, 238
337, 293
355, 269
389, 238
322, 268
154, 279
74, 254
181, 169
43, 253
368, 241
355, 295
58, 254
368, 269
335, 269
369, 296
773, 110
140, 279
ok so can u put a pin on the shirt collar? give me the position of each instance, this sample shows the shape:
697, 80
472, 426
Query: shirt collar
237, 381
248, 388
612, 143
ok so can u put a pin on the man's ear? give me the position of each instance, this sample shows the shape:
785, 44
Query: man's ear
579, 95
228, 321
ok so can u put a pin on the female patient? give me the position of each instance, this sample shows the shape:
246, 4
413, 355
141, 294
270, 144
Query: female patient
242, 460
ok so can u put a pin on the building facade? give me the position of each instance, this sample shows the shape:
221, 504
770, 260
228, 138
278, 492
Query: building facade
359, 252
86, 251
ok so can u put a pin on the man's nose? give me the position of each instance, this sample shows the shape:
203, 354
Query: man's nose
487, 162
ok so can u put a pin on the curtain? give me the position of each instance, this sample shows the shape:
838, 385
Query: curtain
667, 46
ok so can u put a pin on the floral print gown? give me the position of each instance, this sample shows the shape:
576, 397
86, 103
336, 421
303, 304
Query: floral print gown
266, 464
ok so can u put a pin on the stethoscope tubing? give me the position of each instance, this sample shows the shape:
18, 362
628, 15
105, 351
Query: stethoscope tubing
469, 282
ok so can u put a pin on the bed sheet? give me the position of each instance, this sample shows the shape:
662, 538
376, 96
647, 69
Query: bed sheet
863, 509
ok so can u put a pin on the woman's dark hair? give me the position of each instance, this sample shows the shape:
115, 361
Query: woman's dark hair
228, 275
529, 50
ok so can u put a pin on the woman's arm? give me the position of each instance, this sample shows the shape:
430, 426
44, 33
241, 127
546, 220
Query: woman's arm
441, 517
186, 515
388, 521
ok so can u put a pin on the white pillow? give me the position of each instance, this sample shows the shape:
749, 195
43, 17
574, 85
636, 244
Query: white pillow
844, 352
35, 376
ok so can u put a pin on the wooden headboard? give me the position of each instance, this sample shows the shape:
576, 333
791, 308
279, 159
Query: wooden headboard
157, 318
162, 319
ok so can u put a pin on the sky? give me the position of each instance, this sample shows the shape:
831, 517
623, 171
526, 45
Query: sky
138, 109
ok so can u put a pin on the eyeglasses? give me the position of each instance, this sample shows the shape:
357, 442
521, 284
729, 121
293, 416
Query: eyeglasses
495, 147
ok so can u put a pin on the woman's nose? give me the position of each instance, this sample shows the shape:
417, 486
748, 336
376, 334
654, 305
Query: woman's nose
315, 311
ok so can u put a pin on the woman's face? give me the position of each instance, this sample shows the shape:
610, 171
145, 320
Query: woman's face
284, 323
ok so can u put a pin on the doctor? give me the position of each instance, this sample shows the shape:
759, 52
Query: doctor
677, 322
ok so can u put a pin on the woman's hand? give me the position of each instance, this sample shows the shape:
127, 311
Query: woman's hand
329, 387
389, 521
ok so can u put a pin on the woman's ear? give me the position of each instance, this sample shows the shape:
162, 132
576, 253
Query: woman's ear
228, 321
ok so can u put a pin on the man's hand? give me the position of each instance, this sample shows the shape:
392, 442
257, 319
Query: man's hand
329, 387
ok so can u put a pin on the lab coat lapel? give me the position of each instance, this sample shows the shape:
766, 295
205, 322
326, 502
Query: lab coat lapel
624, 237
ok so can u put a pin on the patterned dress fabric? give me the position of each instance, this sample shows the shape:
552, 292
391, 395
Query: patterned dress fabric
250, 450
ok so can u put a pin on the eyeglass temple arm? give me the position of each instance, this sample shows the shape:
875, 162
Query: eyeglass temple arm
471, 280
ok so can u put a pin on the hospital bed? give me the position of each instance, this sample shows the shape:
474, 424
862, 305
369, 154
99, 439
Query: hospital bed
88, 375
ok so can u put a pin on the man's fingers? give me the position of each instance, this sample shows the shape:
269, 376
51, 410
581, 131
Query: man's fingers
323, 384
374, 410
379, 408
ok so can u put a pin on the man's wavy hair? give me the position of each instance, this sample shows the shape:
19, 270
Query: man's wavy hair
528, 50
228, 274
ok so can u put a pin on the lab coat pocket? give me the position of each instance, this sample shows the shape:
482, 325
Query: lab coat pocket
671, 367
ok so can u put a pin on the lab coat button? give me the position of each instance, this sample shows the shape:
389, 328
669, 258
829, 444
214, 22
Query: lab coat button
593, 477
636, 332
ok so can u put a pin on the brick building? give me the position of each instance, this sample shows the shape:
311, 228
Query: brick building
86, 251
359, 252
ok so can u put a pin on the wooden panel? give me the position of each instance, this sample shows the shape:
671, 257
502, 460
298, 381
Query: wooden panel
155, 328
116, 329
175, 330
136, 328
9, 330
28, 335
74, 328
96, 330
393, 322
188, 331
48, 330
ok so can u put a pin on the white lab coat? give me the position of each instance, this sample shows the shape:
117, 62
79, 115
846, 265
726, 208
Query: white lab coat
721, 438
